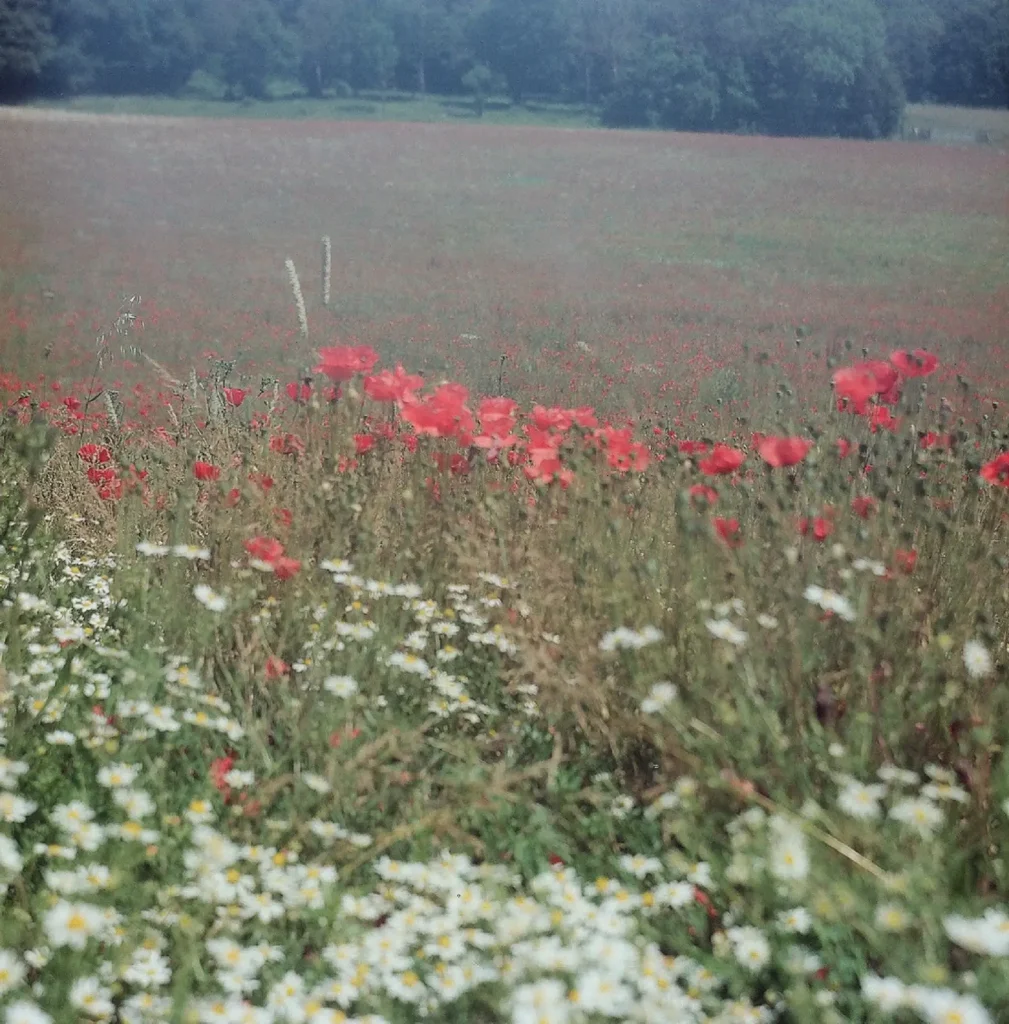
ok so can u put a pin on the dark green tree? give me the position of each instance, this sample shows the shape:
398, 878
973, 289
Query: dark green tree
913, 27
525, 41
821, 69
248, 45
669, 86
26, 43
345, 41
970, 60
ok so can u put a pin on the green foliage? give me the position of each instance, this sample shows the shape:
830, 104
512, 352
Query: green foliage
481, 82
823, 70
25, 43
809, 67
251, 46
669, 87
972, 55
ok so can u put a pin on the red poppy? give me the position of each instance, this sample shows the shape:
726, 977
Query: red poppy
551, 419
363, 443
584, 417
703, 492
692, 447
264, 549
856, 385
863, 506
233, 498
287, 444
888, 381
94, 453
783, 451
100, 476
391, 385
918, 363
275, 668
441, 414
220, 767
880, 416
298, 392
205, 471
722, 460
622, 452
728, 530
905, 560
342, 362
845, 447
820, 526
284, 568
111, 491
997, 470
235, 396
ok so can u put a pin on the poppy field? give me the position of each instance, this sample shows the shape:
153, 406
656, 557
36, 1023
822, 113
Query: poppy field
487, 575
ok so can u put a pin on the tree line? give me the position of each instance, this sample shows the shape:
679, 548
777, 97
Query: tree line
796, 67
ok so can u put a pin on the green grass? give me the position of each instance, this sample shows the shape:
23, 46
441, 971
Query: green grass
368, 107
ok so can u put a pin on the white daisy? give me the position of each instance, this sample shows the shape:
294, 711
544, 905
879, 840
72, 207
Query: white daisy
976, 659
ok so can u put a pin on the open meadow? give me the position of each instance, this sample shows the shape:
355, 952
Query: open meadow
492, 574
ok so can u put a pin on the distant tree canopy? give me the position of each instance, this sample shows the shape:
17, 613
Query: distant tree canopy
796, 67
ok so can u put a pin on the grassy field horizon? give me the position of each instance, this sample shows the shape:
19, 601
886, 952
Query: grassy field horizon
950, 124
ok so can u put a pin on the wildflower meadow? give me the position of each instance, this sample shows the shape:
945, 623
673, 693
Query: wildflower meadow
412, 613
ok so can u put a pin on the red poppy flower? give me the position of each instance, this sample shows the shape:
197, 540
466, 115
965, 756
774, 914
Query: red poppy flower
363, 443
703, 492
391, 385
287, 444
888, 382
722, 460
623, 453
264, 549
441, 414
863, 506
220, 767
905, 560
342, 362
275, 668
94, 453
584, 417
551, 419
783, 451
205, 471
918, 363
856, 385
880, 416
692, 447
235, 396
997, 470
820, 526
728, 530
100, 476
298, 392
284, 568
844, 447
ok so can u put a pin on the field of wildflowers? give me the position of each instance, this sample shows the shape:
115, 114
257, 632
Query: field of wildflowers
536, 619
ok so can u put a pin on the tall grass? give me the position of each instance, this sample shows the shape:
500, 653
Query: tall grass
308, 713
